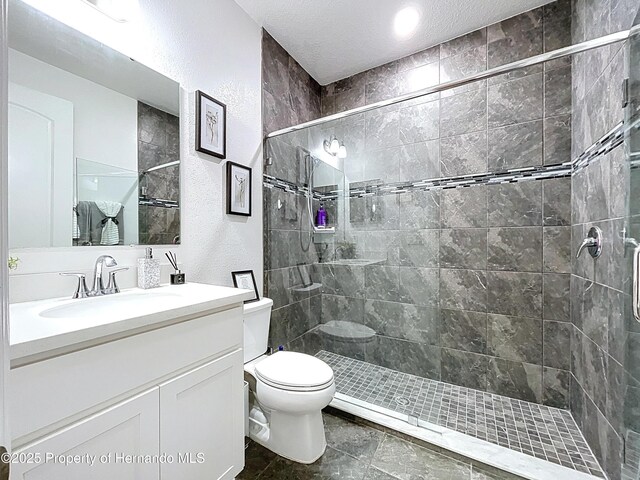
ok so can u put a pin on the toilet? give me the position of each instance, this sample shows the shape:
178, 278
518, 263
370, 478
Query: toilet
288, 392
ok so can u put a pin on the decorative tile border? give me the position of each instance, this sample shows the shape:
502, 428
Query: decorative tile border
508, 176
377, 187
158, 202
604, 145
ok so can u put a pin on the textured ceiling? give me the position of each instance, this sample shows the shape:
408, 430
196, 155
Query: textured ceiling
334, 39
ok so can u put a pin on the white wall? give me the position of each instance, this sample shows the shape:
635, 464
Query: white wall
211, 45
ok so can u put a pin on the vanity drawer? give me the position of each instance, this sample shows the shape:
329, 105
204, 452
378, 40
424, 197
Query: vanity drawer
47, 395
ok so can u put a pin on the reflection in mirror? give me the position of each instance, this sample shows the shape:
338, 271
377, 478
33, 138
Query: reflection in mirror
105, 204
93, 141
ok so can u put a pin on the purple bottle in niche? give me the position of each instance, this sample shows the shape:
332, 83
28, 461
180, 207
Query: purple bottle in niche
321, 217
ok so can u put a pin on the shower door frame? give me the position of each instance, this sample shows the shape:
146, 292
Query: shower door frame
493, 72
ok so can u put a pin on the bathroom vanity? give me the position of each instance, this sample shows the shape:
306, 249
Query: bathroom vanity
146, 384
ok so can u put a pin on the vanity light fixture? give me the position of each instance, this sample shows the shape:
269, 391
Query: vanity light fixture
116, 10
334, 148
406, 21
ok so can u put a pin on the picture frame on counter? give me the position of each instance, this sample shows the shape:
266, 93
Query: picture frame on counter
247, 280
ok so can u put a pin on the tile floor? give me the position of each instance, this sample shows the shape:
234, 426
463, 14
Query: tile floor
359, 452
543, 432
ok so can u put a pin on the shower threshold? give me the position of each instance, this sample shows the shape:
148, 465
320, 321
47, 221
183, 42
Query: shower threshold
527, 439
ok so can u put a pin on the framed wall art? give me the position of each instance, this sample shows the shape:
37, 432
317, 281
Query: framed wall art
238, 189
211, 125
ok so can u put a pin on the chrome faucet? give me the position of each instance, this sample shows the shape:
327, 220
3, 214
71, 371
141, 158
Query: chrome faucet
101, 262
98, 283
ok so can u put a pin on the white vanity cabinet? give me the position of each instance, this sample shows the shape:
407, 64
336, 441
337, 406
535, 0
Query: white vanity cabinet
196, 409
131, 427
160, 402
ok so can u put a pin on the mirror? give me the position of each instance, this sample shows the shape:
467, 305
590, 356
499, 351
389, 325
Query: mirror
94, 141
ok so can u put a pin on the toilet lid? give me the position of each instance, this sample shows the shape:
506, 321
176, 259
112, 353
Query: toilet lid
294, 370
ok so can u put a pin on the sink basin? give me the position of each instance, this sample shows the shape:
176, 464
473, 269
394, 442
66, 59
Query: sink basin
110, 306
63, 324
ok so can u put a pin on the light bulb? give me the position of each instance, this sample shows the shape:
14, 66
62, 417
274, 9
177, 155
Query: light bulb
342, 152
406, 22
335, 146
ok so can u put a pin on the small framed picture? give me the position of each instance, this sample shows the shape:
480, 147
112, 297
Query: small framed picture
238, 189
211, 125
245, 279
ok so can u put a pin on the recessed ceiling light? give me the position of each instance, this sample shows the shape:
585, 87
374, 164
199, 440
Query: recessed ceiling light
406, 22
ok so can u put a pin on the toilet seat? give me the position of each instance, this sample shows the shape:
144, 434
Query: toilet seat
294, 371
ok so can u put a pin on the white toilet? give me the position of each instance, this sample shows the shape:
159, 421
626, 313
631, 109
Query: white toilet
290, 391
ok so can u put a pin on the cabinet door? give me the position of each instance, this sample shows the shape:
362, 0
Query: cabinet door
94, 447
201, 421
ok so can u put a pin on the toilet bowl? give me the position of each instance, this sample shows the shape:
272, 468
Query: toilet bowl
289, 391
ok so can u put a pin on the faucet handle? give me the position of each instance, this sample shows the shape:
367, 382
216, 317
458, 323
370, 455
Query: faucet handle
81, 289
112, 286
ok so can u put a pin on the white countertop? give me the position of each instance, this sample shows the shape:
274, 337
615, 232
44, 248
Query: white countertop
53, 327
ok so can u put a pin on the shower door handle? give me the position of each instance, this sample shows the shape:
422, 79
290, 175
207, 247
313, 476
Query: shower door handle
636, 283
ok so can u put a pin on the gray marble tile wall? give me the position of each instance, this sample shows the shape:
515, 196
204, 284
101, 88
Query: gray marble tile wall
158, 143
603, 331
290, 96
471, 285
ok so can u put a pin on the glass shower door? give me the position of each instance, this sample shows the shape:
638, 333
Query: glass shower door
630, 388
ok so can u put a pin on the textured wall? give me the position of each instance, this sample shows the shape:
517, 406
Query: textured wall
472, 287
182, 43
600, 288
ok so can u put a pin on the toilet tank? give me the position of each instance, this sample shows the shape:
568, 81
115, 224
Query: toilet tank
257, 316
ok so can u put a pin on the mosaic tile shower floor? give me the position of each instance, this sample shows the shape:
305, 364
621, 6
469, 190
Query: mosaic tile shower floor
544, 432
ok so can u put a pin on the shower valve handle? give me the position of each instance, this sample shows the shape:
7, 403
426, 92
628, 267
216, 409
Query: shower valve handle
593, 243
586, 243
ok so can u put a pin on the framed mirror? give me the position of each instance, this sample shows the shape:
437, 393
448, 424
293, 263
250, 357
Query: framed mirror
94, 141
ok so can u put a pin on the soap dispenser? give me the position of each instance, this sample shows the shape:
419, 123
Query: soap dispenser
148, 270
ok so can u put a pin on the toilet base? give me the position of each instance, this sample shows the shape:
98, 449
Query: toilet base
296, 437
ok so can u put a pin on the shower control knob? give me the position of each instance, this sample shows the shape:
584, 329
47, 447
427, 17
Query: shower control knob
593, 243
